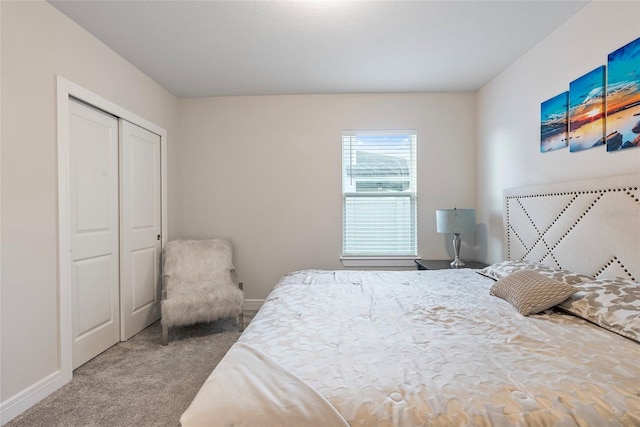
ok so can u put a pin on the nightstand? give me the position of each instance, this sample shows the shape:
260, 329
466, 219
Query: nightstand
432, 264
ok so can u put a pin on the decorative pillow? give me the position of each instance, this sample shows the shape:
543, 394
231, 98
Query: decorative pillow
531, 292
613, 304
503, 269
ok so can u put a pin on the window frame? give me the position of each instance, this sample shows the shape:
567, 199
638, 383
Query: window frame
353, 259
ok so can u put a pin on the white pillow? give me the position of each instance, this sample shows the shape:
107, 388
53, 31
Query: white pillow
503, 269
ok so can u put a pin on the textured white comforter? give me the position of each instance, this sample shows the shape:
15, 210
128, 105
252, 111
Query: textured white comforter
434, 348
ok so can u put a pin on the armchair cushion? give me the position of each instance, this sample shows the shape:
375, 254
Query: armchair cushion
198, 260
194, 302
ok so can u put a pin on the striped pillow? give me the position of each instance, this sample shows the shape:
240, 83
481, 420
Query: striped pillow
531, 292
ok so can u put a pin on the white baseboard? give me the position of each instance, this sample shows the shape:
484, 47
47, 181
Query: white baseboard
253, 304
17, 404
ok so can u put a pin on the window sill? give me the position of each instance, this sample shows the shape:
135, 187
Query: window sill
379, 261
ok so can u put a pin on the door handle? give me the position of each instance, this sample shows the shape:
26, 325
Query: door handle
158, 237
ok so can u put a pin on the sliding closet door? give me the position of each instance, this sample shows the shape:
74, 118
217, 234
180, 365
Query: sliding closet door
93, 196
140, 217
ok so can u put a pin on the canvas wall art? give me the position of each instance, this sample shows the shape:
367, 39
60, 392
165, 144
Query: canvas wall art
623, 97
553, 123
587, 110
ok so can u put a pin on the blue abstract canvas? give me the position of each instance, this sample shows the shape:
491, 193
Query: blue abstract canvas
553, 123
586, 110
623, 97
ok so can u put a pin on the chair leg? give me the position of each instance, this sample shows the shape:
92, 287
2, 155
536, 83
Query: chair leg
241, 314
165, 334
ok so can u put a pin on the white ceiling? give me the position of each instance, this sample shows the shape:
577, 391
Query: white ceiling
211, 48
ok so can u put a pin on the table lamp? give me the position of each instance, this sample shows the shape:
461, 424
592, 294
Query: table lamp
456, 221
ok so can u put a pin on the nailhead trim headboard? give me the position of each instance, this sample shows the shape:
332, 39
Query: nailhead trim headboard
590, 226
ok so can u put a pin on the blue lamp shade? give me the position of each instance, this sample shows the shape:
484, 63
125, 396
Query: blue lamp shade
456, 221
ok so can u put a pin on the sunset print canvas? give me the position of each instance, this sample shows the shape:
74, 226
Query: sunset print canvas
623, 97
586, 111
553, 123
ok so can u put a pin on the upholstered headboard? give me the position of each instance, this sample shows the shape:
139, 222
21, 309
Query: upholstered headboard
590, 226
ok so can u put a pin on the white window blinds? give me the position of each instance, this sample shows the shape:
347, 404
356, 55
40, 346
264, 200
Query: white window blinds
379, 193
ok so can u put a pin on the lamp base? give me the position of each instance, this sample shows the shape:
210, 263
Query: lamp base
457, 263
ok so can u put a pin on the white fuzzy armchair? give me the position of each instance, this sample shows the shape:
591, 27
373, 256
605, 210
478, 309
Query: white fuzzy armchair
199, 284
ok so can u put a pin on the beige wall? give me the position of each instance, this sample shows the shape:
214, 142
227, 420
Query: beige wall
266, 172
508, 107
38, 42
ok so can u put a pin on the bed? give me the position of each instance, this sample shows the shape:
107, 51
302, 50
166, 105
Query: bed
456, 347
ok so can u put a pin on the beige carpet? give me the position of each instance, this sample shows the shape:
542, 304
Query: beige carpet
138, 382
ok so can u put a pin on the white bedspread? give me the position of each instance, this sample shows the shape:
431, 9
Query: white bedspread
248, 388
434, 348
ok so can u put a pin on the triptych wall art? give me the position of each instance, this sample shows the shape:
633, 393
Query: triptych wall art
601, 107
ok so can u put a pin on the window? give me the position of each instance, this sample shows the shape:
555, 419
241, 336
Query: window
379, 193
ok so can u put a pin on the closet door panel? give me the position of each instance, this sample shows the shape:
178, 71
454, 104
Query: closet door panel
93, 160
141, 244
